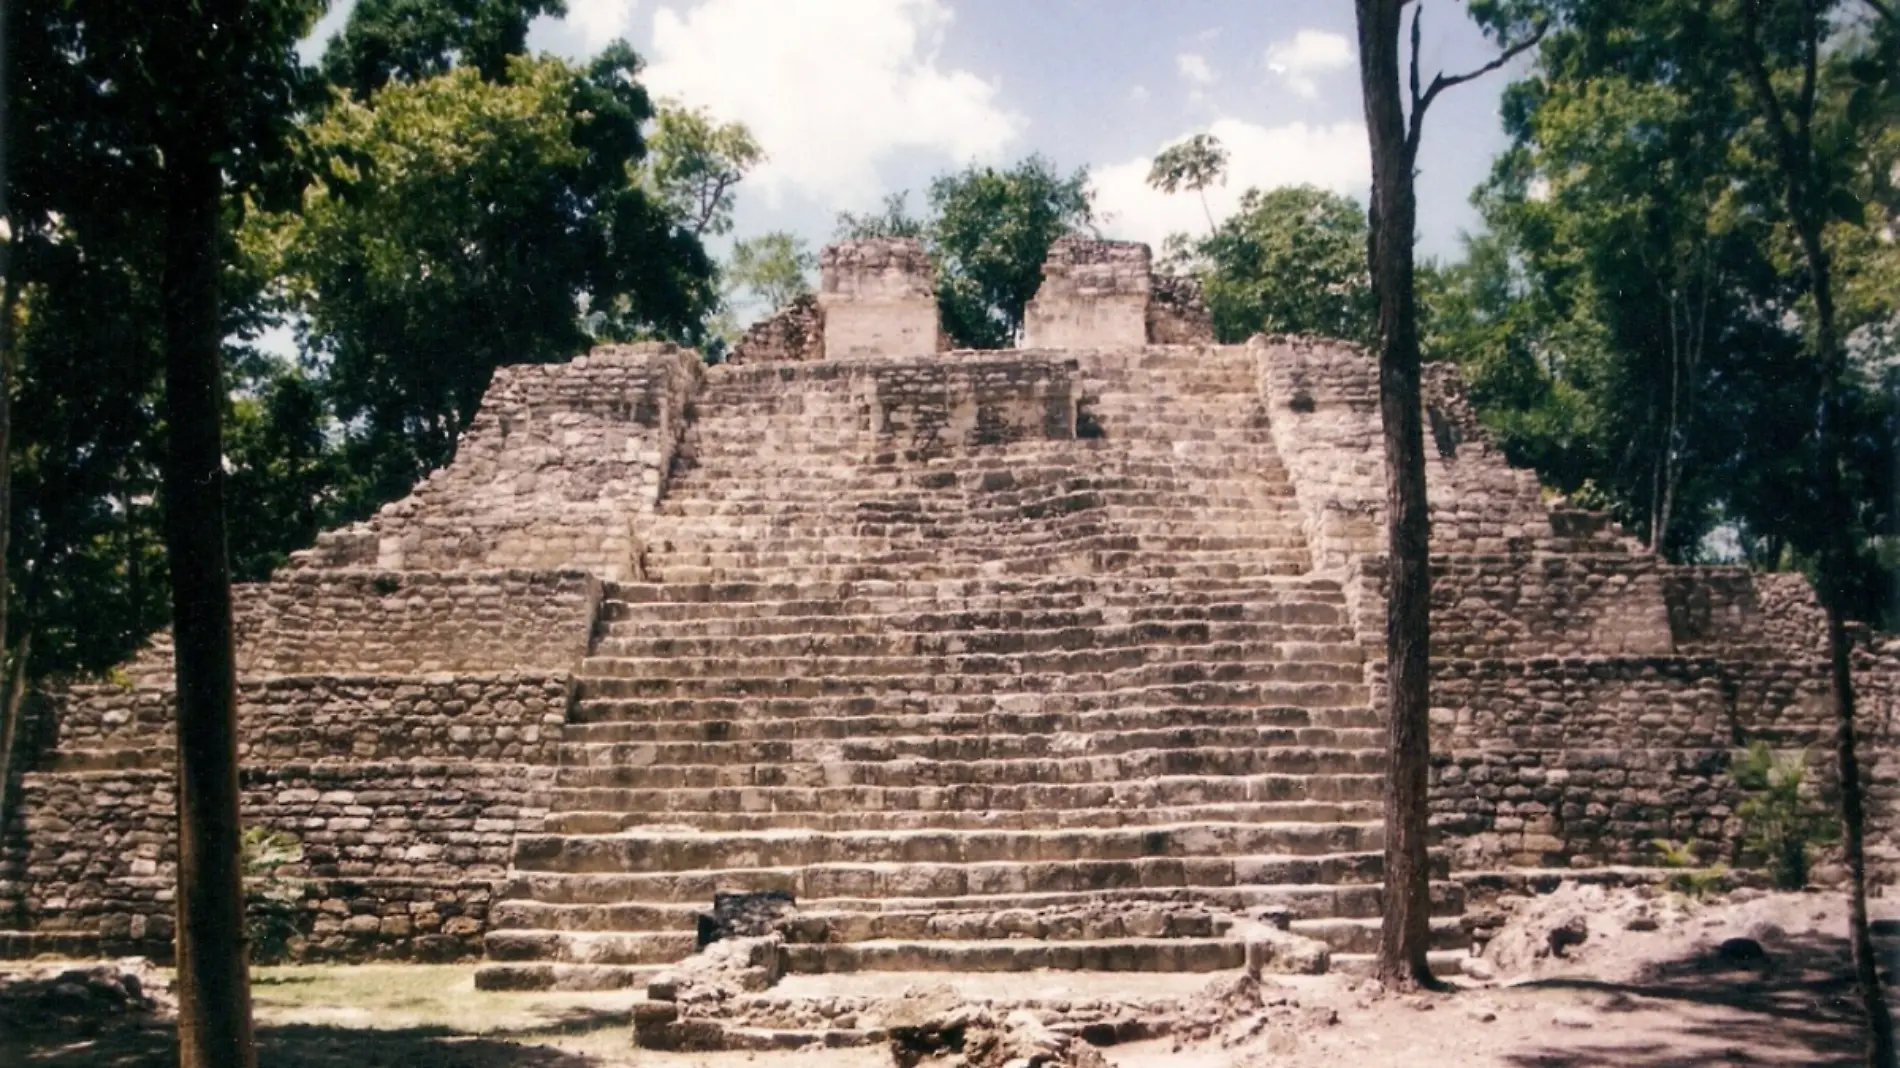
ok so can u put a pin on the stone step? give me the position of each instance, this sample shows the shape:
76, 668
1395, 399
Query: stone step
763, 498
1186, 681
545, 975
1192, 685
987, 554
1289, 640
958, 881
1072, 463
1073, 801
590, 947
862, 615
795, 531
602, 721
842, 491
651, 851
1018, 915
611, 821
1019, 955
527, 915
1082, 563
966, 748
1131, 665
1107, 768
972, 589
1295, 901
1080, 922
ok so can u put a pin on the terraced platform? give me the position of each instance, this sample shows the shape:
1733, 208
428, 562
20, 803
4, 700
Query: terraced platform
1058, 657
937, 693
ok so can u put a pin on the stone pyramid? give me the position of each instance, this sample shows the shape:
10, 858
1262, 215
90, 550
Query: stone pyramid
1065, 656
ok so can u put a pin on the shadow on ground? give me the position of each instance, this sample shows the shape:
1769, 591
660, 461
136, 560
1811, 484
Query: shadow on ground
325, 1046
1794, 1004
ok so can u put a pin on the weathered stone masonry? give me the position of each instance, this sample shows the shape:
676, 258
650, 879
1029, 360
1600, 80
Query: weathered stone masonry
940, 642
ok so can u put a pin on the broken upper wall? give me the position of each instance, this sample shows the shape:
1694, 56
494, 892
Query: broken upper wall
878, 298
556, 472
1094, 294
793, 334
1105, 294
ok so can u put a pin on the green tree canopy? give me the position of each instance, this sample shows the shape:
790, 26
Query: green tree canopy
773, 267
988, 232
696, 166
1196, 163
410, 40
1648, 352
1289, 261
455, 224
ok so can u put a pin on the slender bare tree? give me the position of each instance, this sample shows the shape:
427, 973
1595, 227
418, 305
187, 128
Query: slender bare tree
1405, 938
1809, 190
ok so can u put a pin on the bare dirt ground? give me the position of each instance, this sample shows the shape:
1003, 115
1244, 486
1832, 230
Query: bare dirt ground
1648, 981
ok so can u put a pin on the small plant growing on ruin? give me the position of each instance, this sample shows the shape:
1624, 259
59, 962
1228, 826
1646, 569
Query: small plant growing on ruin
1690, 878
1780, 823
270, 900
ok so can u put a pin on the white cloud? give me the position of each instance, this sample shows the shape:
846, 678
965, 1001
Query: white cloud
1332, 157
1194, 68
1308, 53
1138, 94
829, 90
600, 21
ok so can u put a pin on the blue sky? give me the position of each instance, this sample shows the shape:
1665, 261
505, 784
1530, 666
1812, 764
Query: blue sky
852, 99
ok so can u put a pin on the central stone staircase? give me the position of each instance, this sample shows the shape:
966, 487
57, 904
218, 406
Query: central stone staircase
1063, 702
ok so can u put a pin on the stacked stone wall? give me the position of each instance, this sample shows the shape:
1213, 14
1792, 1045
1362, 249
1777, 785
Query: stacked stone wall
1733, 611
311, 621
406, 795
1525, 605
1323, 406
503, 718
1581, 762
892, 409
1877, 692
1508, 582
558, 471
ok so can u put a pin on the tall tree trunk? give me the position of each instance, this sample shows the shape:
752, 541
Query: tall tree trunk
1835, 582
1805, 197
1405, 937
214, 996
9, 295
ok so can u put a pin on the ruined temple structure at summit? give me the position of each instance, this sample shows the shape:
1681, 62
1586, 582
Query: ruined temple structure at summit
1064, 656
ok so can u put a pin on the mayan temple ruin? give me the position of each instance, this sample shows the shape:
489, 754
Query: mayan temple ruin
1066, 656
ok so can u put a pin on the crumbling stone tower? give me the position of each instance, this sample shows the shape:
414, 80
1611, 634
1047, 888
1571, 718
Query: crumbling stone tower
1064, 656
